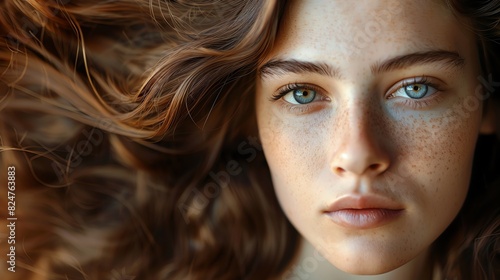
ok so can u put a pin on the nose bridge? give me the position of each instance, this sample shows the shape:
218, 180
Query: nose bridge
360, 150
357, 124
358, 120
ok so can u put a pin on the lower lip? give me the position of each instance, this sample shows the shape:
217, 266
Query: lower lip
363, 218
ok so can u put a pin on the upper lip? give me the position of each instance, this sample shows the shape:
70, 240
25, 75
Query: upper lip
353, 202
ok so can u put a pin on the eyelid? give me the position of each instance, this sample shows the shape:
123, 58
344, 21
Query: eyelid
286, 89
432, 82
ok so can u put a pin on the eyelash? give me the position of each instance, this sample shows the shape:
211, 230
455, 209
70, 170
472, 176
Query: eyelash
295, 108
416, 80
412, 103
290, 87
419, 103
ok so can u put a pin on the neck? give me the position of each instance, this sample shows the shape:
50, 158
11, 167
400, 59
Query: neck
309, 265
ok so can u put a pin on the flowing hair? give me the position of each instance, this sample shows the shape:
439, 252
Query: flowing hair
470, 247
131, 127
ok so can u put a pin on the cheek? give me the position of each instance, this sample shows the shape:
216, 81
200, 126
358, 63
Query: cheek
434, 155
293, 150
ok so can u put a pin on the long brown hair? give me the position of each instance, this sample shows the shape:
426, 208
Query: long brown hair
131, 128
470, 247
132, 157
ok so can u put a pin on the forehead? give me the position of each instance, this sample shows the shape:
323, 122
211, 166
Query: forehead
340, 29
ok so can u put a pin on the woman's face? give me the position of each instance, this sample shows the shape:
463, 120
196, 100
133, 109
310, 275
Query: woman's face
368, 113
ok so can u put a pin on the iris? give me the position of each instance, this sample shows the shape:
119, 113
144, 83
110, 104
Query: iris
416, 91
304, 96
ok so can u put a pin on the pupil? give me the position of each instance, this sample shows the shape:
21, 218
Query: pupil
304, 96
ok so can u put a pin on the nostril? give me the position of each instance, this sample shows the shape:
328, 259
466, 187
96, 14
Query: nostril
375, 166
339, 170
360, 168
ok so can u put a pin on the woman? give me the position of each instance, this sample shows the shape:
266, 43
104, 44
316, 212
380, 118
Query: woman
177, 140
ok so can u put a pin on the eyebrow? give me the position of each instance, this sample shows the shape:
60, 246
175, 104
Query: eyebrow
447, 58
282, 66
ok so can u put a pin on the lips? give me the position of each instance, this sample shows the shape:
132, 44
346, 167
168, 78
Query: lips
363, 212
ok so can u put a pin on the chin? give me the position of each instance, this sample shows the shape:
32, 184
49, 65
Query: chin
367, 265
366, 270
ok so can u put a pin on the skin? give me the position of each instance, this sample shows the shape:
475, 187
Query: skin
360, 138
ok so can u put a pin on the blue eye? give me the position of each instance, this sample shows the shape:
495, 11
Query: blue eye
300, 96
416, 91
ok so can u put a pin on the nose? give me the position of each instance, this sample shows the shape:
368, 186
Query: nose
361, 150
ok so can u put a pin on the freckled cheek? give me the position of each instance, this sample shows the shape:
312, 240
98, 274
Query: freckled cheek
457, 156
292, 150
439, 153
451, 144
